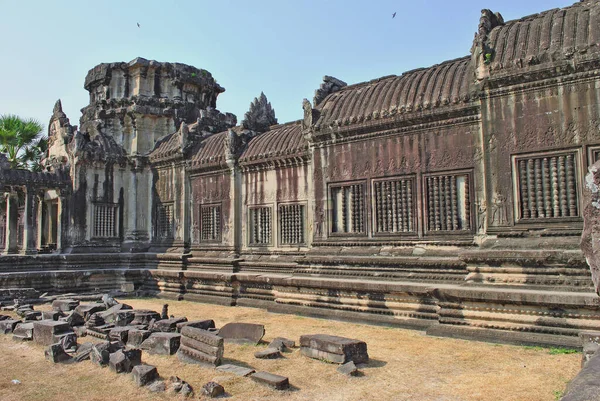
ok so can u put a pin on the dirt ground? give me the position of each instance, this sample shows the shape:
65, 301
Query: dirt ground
405, 365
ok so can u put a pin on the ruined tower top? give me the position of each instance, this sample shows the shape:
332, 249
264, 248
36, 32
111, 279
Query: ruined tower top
143, 78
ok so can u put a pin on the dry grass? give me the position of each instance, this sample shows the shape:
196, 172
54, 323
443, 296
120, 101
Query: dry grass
405, 365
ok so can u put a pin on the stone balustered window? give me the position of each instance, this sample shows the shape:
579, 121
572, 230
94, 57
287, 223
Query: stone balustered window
260, 225
348, 209
447, 202
394, 206
210, 223
105, 220
547, 186
291, 224
165, 221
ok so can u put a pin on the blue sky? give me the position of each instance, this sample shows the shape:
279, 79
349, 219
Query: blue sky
280, 47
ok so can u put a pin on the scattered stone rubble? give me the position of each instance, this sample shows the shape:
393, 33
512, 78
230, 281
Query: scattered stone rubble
129, 332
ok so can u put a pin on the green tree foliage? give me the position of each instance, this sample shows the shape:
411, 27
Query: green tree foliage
22, 142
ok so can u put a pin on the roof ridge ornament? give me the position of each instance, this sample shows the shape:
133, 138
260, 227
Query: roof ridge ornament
260, 116
328, 86
482, 54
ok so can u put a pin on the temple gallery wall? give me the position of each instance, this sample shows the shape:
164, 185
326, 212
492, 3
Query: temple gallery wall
447, 198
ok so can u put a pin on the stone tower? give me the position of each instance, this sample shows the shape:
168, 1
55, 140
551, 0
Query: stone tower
132, 105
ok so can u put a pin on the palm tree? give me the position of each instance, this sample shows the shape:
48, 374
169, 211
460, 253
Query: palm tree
22, 142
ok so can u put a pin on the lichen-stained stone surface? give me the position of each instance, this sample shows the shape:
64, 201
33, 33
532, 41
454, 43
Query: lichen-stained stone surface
590, 238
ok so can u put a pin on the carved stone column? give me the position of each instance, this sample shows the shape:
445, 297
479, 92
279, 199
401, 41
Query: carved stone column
30, 223
39, 227
60, 223
12, 217
131, 231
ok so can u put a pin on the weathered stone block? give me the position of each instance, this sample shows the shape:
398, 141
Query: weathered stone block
162, 343
48, 332
190, 355
168, 325
212, 390
157, 387
52, 315
23, 332
100, 353
242, 333
74, 319
57, 354
144, 374
199, 324
200, 346
119, 334
123, 361
64, 305
275, 381
202, 336
236, 370
32, 315
333, 348
136, 337
268, 353
7, 326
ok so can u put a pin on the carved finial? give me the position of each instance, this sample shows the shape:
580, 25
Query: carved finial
307, 122
57, 107
328, 86
260, 116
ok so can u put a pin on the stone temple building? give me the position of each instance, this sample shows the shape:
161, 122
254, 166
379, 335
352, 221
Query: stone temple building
447, 198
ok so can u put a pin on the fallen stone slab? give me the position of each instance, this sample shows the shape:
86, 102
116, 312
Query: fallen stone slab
144, 374
83, 352
32, 315
135, 316
274, 381
242, 333
101, 332
48, 332
168, 325
68, 341
186, 390
269, 353
212, 390
56, 354
136, 337
198, 324
4, 317
64, 305
348, 369
7, 326
86, 310
110, 314
23, 332
333, 348
162, 343
120, 334
236, 370
200, 347
123, 361
282, 344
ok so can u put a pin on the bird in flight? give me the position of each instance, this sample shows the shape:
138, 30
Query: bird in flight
138, 24
393, 16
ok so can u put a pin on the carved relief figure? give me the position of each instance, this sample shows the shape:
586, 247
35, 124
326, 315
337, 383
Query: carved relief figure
499, 211
481, 215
